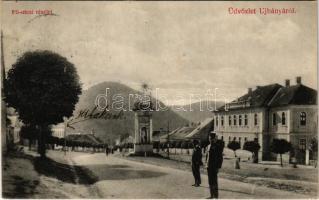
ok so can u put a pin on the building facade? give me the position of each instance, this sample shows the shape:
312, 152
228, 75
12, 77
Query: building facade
268, 112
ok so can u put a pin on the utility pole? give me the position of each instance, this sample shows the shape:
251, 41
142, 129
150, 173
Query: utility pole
65, 124
168, 139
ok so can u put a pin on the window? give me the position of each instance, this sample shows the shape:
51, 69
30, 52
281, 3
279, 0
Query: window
229, 138
283, 118
234, 138
222, 138
274, 119
229, 120
235, 120
256, 119
245, 139
239, 120
246, 120
222, 121
303, 118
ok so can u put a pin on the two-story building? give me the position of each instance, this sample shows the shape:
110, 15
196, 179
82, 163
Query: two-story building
268, 112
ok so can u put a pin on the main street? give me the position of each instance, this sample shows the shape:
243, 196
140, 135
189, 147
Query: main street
121, 178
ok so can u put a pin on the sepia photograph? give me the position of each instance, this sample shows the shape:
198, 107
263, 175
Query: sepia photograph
159, 100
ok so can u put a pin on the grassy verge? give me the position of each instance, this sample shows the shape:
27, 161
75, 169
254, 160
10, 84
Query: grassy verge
28, 176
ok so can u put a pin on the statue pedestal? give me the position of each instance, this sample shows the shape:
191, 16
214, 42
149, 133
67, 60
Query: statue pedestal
141, 149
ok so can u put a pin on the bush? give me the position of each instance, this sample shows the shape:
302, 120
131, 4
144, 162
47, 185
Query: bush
280, 146
234, 145
253, 147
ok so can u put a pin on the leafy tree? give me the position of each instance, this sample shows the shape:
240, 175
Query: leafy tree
178, 144
253, 147
280, 146
234, 145
184, 145
156, 145
190, 145
43, 87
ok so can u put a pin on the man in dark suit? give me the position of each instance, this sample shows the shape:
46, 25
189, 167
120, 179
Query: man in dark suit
196, 162
214, 160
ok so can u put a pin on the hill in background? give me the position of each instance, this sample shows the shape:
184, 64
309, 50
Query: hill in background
110, 129
196, 112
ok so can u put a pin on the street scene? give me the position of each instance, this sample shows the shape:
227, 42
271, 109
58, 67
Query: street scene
158, 101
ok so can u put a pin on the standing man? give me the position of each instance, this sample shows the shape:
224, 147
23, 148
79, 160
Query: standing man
214, 160
107, 150
196, 162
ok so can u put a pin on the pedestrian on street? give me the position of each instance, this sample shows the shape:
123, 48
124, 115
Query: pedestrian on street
214, 160
196, 163
107, 151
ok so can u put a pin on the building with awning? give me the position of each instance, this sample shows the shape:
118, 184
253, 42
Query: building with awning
178, 134
201, 132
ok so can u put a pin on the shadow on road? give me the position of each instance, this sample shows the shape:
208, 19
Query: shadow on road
64, 172
121, 172
228, 190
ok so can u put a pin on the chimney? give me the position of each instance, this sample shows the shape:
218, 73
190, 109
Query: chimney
298, 80
287, 82
250, 90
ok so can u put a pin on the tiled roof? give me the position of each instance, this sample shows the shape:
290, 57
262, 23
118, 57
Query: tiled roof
259, 97
179, 134
294, 95
201, 129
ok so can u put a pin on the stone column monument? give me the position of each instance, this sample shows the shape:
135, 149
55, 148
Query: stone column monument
143, 128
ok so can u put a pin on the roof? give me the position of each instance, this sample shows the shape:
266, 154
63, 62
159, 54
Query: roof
294, 95
159, 133
202, 130
260, 97
89, 138
179, 133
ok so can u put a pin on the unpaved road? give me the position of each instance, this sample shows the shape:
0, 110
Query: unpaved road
121, 178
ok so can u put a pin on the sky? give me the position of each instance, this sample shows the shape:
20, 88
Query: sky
181, 48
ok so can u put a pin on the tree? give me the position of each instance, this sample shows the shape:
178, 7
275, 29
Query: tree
156, 145
43, 87
184, 145
280, 146
29, 132
234, 145
253, 147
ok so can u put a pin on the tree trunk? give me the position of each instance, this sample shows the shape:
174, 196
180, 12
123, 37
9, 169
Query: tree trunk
281, 160
41, 145
30, 143
255, 157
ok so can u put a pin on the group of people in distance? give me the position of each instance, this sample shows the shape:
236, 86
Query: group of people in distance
213, 162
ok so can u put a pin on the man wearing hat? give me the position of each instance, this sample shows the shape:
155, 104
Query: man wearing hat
196, 162
214, 160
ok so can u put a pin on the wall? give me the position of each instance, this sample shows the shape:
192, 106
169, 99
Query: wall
249, 128
293, 131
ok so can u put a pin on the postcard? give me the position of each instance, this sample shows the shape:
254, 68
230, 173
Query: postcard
159, 100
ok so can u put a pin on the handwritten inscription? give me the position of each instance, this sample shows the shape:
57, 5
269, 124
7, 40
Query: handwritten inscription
32, 12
